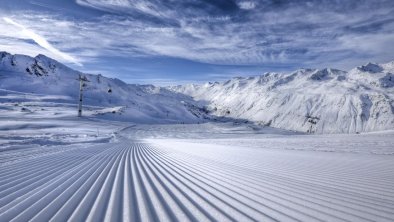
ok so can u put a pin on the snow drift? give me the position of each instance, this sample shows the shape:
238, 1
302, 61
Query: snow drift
308, 100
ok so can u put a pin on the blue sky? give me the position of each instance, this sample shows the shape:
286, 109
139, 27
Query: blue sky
179, 41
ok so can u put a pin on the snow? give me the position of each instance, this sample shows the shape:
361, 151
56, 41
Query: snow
43, 77
146, 153
307, 100
200, 172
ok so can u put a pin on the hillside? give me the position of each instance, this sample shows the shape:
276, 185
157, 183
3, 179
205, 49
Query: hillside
307, 100
120, 101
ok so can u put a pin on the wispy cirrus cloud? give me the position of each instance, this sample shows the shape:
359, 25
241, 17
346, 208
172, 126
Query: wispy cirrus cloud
275, 32
267, 33
41, 41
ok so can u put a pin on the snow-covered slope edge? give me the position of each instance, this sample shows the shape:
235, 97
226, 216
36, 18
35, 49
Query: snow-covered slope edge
308, 100
120, 101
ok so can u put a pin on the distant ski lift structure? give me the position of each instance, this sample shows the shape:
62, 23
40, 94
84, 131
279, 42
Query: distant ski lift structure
313, 121
82, 79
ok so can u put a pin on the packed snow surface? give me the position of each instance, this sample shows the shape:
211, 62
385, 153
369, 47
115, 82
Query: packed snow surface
148, 174
57, 167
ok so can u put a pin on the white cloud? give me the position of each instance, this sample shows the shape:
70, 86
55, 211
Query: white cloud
261, 37
247, 5
41, 41
127, 6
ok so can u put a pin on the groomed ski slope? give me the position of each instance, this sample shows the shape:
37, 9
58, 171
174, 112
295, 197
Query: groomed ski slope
174, 180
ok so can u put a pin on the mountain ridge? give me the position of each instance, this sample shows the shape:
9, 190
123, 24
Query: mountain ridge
309, 100
120, 101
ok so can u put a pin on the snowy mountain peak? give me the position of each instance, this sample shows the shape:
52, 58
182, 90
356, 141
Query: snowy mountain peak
39, 66
325, 74
370, 68
48, 62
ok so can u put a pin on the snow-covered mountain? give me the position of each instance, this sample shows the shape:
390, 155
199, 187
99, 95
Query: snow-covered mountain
320, 101
138, 103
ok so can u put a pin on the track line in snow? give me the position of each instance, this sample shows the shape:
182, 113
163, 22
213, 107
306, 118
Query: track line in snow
136, 180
